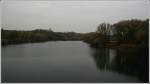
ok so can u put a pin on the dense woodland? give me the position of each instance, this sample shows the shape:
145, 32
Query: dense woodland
124, 33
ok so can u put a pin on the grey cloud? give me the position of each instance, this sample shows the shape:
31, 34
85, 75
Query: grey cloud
78, 16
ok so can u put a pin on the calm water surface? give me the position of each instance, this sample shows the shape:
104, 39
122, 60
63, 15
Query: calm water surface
60, 61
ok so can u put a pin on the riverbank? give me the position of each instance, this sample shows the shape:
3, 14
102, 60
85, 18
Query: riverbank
38, 35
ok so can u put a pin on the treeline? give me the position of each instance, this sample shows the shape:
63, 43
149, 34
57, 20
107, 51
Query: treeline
130, 39
38, 35
124, 33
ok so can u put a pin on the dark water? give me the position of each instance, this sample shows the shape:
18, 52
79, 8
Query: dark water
63, 61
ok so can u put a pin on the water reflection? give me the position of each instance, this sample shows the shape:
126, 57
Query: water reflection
131, 61
70, 61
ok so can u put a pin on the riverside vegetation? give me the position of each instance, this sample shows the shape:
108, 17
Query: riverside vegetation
130, 39
127, 37
38, 35
124, 33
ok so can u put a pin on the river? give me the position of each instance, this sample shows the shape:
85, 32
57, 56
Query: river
60, 61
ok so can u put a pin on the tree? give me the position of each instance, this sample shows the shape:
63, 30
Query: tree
104, 28
127, 30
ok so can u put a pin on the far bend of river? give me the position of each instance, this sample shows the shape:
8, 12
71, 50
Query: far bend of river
59, 61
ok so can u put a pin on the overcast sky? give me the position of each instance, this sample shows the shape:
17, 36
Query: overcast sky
64, 16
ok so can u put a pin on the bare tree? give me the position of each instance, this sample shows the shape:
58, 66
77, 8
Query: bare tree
104, 28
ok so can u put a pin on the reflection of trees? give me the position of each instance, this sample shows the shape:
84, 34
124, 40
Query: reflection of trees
133, 61
125, 61
101, 57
